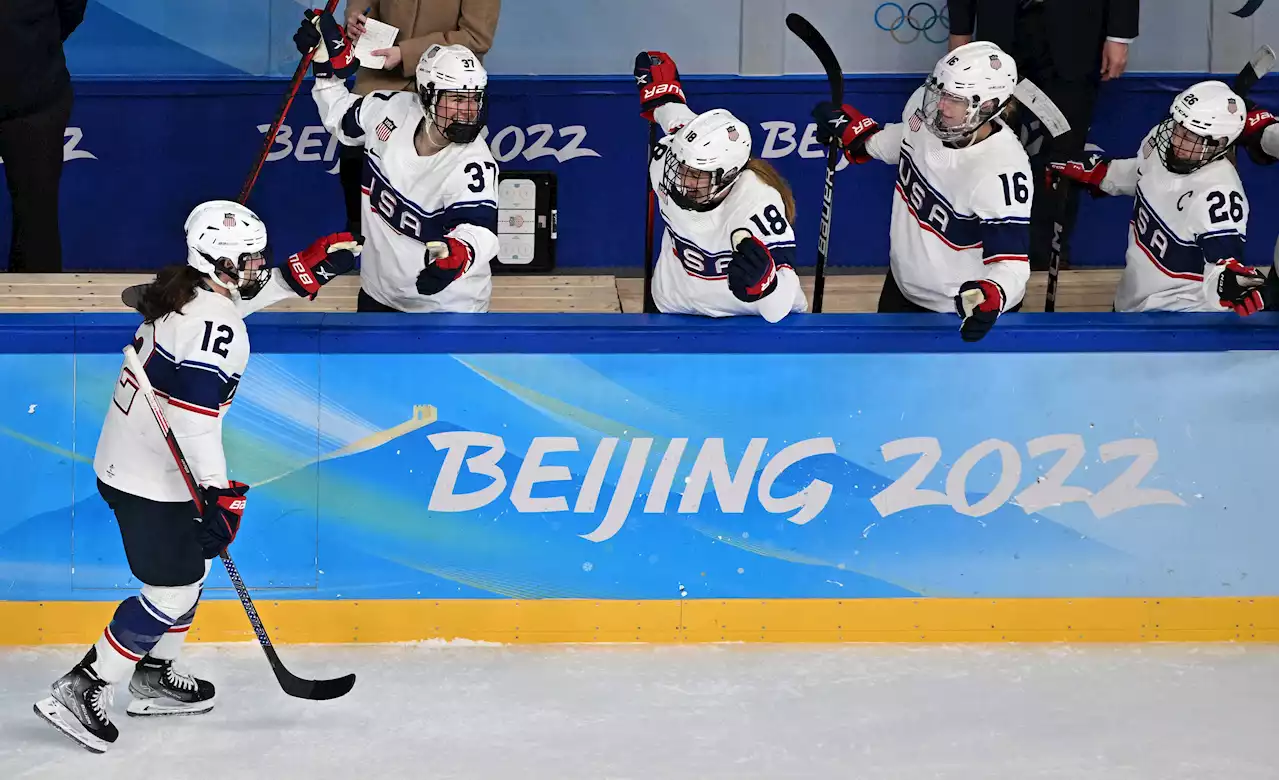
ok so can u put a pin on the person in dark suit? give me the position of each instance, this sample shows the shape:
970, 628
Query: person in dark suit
35, 106
1066, 47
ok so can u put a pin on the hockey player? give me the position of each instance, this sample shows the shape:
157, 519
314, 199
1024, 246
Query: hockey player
195, 347
430, 204
961, 212
1186, 237
728, 248
1261, 139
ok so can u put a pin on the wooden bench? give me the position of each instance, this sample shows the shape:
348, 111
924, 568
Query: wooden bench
1078, 290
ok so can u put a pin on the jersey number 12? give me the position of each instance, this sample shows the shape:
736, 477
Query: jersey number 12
220, 342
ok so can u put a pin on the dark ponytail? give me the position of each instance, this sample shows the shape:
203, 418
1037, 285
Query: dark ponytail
175, 286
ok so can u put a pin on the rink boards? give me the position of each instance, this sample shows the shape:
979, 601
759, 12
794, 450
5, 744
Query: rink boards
522, 478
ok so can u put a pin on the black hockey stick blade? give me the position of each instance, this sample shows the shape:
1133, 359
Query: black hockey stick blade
313, 690
818, 45
1264, 59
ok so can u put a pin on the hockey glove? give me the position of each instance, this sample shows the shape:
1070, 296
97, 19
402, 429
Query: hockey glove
447, 261
847, 124
1088, 170
1258, 120
223, 508
979, 305
335, 55
658, 80
752, 274
313, 267
1240, 288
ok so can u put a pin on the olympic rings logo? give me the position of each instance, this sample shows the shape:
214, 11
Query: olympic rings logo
918, 19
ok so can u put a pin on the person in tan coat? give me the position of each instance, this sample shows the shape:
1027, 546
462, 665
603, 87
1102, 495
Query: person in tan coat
422, 23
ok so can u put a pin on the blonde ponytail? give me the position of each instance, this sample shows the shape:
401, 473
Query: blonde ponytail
769, 175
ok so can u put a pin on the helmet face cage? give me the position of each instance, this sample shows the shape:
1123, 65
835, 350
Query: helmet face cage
247, 275
939, 104
457, 114
693, 189
1184, 150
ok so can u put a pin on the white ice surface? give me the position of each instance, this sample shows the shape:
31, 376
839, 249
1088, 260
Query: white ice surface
856, 712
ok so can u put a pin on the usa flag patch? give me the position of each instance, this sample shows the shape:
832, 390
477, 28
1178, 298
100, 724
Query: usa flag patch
228, 220
914, 122
385, 129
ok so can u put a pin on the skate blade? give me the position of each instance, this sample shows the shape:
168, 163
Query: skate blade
61, 719
147, 708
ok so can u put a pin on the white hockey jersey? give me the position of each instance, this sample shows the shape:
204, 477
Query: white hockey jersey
690, 275
958, 214
194, 360
409, 199
1182, 226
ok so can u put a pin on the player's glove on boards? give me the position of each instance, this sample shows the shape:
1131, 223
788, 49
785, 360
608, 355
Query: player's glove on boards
847, 125
447, 261
1258, 119
658, 80
1240, 288
326, 258
336, 55
979, 304
751, 273
223, 508
1087, 169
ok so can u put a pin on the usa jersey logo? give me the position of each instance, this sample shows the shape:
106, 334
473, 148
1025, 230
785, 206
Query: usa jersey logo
385, 129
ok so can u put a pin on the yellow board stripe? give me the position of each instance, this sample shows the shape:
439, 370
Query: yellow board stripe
688, 620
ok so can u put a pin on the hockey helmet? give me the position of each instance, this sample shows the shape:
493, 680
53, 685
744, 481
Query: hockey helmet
704, 158
1203, 122
452, 85
969, 85
228, 243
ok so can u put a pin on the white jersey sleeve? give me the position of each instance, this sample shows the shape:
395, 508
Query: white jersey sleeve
471, 199
764, 214
1002, 203
1219, 218
346, 115
204, 375
1122, 177
673, 116
275, 290
1271, 140
886, 145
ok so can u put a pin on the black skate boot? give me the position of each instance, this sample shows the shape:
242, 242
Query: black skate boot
79, 707
159, 689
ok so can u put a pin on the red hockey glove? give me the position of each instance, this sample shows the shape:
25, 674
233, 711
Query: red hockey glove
447, 261
658, 81
1259, 119
751, 273
979, 305
223, 508
335, 55
1088, 170
313, 267
1240, 288
847, 124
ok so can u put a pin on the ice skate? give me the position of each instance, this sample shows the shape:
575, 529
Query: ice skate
79, 708
160, 689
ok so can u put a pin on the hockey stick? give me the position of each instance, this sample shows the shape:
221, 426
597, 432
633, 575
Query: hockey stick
316, 690
649, 306
267, 142
835, 79
1264, 59
1051, 117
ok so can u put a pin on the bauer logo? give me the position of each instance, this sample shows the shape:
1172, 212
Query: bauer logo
314, 143
708, 477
